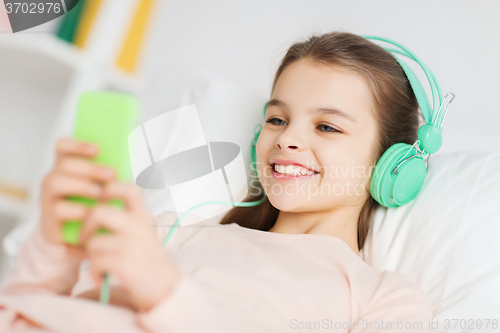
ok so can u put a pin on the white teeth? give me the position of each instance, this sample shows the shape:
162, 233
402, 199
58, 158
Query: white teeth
292, 170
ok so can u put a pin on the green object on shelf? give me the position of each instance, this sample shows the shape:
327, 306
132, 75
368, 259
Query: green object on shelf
69, 23
104, 119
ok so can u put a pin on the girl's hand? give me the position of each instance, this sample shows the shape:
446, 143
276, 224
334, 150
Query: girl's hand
73, 174
131, 251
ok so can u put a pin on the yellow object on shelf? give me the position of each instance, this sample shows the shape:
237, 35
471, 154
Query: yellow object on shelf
89, 13
127, 60
13, 191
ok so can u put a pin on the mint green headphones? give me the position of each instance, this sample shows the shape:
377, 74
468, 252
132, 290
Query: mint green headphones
400, 172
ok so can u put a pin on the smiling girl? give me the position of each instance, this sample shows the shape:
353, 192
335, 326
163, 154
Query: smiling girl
337, 103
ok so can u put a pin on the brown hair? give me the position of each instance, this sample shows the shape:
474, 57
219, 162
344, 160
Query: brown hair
395, 108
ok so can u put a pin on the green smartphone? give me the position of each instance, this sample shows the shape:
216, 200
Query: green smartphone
105, 119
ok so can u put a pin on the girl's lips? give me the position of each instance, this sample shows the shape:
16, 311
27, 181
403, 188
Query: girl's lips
281, 176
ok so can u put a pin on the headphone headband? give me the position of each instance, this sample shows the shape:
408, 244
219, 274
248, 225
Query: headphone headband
416, 85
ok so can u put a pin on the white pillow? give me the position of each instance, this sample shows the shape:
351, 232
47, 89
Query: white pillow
447, 239
228, 112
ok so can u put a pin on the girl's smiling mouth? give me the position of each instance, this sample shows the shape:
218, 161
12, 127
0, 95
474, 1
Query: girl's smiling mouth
287, 172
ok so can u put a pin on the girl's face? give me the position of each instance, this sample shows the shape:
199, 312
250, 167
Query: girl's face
319, 117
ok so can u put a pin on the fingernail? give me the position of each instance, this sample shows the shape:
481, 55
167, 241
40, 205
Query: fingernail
108, 173
91, 149
98, 191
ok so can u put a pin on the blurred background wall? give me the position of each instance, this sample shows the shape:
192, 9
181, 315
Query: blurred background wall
221, 55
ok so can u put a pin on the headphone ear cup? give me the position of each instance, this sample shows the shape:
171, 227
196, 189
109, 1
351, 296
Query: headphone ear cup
376, 181
393, 190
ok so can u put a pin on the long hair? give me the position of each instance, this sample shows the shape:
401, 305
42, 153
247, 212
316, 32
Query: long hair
396, 112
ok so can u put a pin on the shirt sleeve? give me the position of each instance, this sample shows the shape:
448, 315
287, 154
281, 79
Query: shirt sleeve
187, 308
85, 281
193, 305
41, 267
397, 304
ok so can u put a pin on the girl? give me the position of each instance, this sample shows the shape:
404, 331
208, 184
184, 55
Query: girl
338, 102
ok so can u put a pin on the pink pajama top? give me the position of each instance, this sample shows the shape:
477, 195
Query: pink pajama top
234, 279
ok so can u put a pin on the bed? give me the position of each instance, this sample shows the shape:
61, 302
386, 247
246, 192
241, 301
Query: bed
446, 240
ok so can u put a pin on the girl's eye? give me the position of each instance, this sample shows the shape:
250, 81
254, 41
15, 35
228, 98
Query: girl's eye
332, 129
271, 120
326, 127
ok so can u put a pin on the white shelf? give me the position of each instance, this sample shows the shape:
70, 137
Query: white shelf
41, 79
10, 206
119, 80
32, 87
66, 54
47, 45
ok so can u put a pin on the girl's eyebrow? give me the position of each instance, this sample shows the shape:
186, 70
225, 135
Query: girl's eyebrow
335, 111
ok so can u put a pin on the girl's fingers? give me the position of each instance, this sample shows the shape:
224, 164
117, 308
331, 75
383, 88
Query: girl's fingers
85, 168
100, 245
104, 216
62, 186
68, 146
130, 193
64, 211
75, 251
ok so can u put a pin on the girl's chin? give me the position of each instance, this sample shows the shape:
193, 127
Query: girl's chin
289, 202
